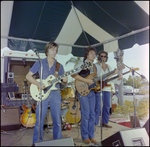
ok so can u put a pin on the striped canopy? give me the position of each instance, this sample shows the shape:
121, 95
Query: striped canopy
74, 25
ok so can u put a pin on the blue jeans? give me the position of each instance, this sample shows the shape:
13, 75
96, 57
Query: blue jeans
106, 95
54, 99
87, 104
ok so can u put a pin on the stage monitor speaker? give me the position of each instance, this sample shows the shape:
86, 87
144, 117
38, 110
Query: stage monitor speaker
146, 126
10, 77
132, 137
10, 118
56, 142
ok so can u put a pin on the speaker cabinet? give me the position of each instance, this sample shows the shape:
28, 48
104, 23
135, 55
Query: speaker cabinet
56, 142
146, 126
10, 118
10, 77
132, 137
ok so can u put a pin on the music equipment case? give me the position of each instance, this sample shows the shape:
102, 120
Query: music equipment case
10, 118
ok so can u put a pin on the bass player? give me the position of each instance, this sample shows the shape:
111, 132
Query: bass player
101, 66
54, 99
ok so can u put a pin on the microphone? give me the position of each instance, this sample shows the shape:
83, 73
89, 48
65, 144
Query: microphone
143, 77
35, 50
144, 80
100, 59
117, 58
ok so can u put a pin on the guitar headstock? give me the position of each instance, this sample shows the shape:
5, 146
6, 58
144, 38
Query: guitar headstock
134, 69
86, 65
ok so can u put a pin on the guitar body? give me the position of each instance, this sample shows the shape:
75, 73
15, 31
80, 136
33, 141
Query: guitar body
35, 91
51, 81
84, 88
104, 84
73, 115
28, 118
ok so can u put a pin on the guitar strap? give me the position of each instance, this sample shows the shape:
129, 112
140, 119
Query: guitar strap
94, 68
57, 69
107, 67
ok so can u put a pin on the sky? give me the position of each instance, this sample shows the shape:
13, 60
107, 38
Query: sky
135, 57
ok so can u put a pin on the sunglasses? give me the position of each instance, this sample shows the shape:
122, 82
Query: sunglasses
103, 56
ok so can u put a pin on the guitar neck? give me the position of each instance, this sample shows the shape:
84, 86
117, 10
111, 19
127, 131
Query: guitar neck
83, 66
108, 74
103, 77
116, 76
64, 75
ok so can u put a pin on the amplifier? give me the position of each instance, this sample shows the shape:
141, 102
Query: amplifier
6, 87
9, 77
10, 118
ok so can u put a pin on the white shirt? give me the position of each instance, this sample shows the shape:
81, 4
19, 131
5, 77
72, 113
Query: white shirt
99, 70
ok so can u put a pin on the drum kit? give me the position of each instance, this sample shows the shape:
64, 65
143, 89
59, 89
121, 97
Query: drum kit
68, 93
68, 105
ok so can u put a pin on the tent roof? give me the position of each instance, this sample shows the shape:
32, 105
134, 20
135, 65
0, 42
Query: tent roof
74, 25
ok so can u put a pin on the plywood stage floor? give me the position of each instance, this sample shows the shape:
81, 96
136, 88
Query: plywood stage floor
24, 136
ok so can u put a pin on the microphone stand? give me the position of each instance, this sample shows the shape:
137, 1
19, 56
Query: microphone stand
143, 77
39, 132
101, 96
101, 104
134, 98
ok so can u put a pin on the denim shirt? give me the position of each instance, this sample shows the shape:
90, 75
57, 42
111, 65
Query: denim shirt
46, 70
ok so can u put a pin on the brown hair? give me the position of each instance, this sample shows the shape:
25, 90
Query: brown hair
99, 54
87, 52
49, 46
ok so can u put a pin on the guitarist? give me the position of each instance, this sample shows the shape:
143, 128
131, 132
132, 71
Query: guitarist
54, 99
101, 66
87, 103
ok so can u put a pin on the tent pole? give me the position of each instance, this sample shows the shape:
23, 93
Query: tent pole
80, 24
81, 46
123, 36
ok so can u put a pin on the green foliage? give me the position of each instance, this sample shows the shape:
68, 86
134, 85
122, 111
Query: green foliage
128, 107
129, 81
74, 60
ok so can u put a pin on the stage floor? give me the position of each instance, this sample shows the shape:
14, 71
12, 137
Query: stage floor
24, 136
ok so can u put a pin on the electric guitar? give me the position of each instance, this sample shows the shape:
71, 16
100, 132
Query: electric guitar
73, 115
28, 118
84, 88
98, 89
51, 81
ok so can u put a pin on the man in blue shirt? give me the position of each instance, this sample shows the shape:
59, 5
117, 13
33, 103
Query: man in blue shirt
54, 98
87, 103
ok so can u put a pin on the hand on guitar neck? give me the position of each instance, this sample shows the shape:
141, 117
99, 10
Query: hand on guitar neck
120, 77
122, 66
115, 72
